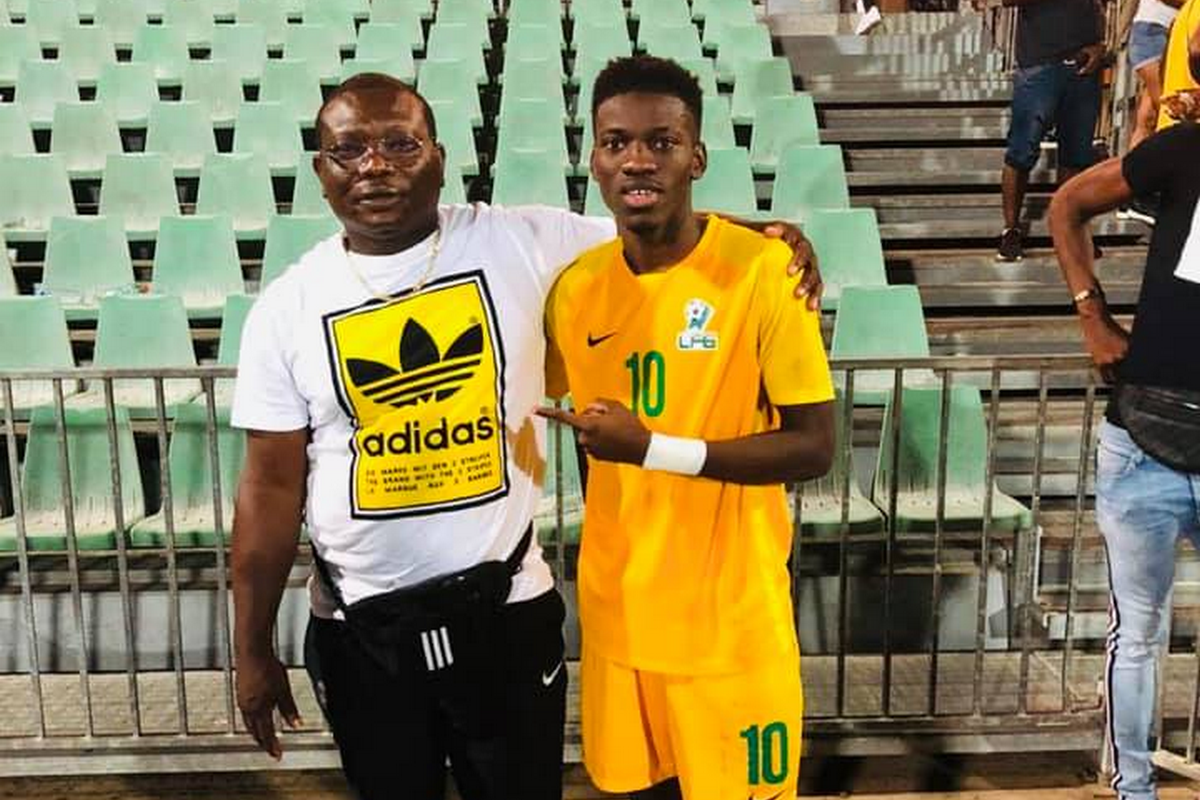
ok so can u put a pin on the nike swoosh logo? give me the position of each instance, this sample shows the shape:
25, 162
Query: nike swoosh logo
595, 340
772, 797
548, 677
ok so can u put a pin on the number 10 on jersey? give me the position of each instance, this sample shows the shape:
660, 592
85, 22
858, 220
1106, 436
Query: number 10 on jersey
647, 382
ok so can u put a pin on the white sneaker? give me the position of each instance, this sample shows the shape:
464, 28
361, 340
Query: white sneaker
868, 21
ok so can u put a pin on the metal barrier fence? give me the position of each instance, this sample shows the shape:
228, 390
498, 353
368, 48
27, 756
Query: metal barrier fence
956, 607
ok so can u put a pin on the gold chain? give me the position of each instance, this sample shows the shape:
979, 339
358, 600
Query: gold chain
434, 249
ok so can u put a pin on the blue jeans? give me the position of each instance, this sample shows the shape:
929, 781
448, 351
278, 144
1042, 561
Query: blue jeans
1055, 96
1142, 509
1147, 44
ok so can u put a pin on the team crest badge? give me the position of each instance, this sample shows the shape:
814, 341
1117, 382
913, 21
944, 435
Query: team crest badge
695, 335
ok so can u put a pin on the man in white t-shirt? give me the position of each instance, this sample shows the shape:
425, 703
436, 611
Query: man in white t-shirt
387, 382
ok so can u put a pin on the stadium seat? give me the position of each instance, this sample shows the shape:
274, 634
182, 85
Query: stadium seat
532, 80
716, 128
715, 12
307, 199
705, 73
404, 16
593, 201
560, 449
849, 248
596, 43
820, 512
142, 332
809, 178
139, 189
474, 14
239, 185
727, 185
183, 132
196, 260
535, 12
585, 75
780, 122
50, 18
189, 463
533, 41
457, 135
453, 190
36, 189
16, 137
17, 44
756, 79
661, 12
296, 85
318, 45
288, 238
42, 85
338, 16
379, 40
529, 177
217, 86
128, 91
223, 10
86, 50
8, 281
737, 44
524, 127
677, 42
193, 17
233, 320
122, 19
91, 473
266, 129
33, 335
400, 66
456, 42
86, 259
165, 48
84, 134
966, 464
443, 81
604, 13
242, 45
270, 15
880, 322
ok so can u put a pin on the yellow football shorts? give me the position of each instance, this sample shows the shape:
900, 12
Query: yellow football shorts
726, 737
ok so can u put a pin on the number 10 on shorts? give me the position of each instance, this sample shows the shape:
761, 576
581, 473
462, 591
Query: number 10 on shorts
766, 753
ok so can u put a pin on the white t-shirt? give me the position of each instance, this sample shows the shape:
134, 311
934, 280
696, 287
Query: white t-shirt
1155, 11
425, 456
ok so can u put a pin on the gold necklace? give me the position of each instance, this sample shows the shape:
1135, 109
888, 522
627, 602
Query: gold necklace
434, 249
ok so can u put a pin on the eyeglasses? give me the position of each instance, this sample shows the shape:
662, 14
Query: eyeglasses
400, 150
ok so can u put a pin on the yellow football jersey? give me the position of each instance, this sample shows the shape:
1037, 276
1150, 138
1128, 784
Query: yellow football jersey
1177, 74
678, 574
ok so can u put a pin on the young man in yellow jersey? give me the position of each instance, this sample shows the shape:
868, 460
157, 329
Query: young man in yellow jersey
700, 389
1181, 64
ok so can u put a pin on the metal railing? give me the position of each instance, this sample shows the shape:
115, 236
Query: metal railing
969, 633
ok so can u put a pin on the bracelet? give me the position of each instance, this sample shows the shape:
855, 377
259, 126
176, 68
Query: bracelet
674, 454
1087, 294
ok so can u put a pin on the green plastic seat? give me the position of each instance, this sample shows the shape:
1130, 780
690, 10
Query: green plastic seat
380, 40
880, 322
290, 237
196, 260
87, 259
33, 335
266, 129
661, 12
529, 177
596, 44
702, 8
727, 185
453, 190
457, 135
17, 44
339, 16
189, 462
165, 48
217, 87
530, 41
444, 81
966, 464
50, 18
560, 450
606, 13
524, 128
472, 14
716, 127
244, 45
400, 66
233, 321
457, 42
142, 332
585, 76
307, 199
41, 86
36, 189
820, 512
778, 123
194, 17
403, 20
593, 201
535, 12
90, 462
84, 135
756, 79
676, 42
296, 85
8, 281
269, 15
705, 73
318, 45
848, 246
122, 19
128, 91
86, 50
237, 184
737, 44
139, 188
809, 178
718, 13
532, 80
182, 132
16, 137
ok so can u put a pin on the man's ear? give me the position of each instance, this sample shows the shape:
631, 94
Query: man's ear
441, 151
699, 160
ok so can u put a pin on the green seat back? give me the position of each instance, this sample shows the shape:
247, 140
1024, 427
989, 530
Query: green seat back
182, 132
233, 320
338, 16
703, 69
778, 123
850, 251
237, 184
17, 43
727, 185
49, 19
84, 134
387, 40
457, 135
193, 17
290, 237
533, 80
121, 18
244, 45
525, 127
139, 188
720, 14
450, 82
737, 43
457, 42
307, 199
86, 259
266, 129
676, 42
216, 86
316, 44
85, 50
603, 13
400, 66
36, 189
16, 137
165, 48
296, 85
880, 322
756, 79
128, 91
535, 12
809, 178
42, 85
532, 41
33, 334
144, 332
470, 14
401, 22
661, 12
593, 202
8, 281
596, 43
529, 177
400, 10
453, 190
196, 260
716, 128
270, 15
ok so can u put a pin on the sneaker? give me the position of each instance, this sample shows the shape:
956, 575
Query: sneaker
867, 21
1010, 249
1143, 210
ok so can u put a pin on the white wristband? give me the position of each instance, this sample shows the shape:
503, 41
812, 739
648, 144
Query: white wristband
673, 454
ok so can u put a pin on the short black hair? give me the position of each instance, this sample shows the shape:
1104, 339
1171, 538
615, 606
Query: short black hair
374, 82
652, 75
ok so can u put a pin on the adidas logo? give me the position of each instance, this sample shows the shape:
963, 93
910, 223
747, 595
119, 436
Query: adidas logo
424, 372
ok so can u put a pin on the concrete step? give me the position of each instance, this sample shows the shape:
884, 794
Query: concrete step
913, 65
841, 26
906, 92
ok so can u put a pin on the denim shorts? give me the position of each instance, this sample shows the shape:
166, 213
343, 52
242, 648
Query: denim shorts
1147, 44
1053, 96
